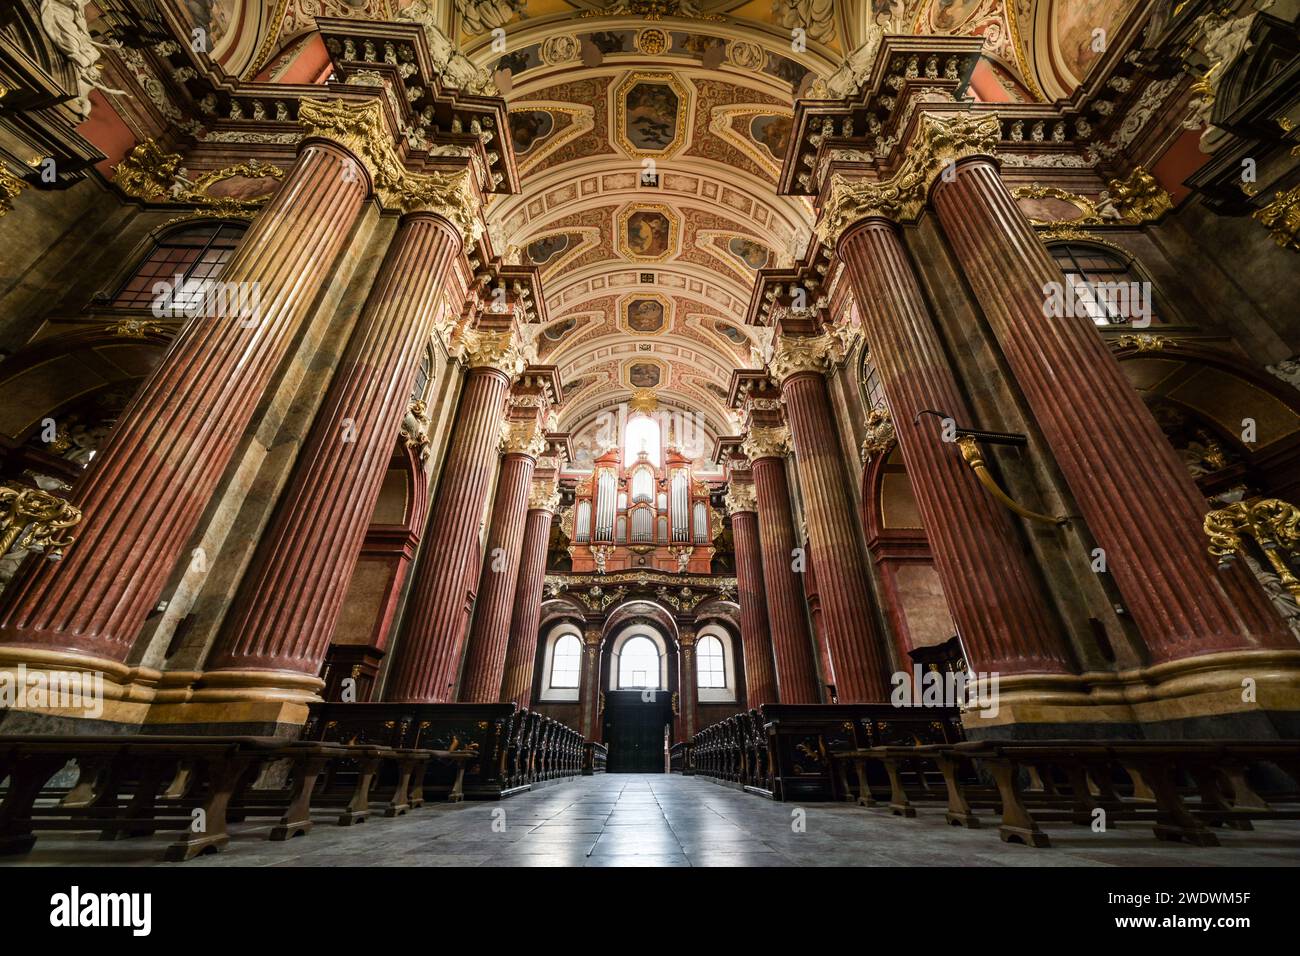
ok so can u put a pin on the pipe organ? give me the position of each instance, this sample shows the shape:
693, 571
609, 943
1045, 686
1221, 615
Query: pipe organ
641, 516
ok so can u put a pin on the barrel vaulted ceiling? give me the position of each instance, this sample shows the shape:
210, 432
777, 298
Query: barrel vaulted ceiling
647, 278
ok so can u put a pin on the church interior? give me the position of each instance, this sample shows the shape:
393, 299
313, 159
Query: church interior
650, 432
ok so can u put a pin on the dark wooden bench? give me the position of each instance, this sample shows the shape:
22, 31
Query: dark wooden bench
1181, 788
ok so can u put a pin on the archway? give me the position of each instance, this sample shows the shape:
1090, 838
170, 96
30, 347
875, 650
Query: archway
637, 716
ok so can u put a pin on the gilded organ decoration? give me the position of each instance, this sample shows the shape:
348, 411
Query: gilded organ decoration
642, 515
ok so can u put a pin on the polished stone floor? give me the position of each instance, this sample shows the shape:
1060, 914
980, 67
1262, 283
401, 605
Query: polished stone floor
657, 820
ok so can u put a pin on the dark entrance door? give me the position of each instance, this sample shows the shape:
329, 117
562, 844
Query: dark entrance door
634, 730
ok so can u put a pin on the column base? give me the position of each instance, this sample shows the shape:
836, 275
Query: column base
1234, 695
99, 696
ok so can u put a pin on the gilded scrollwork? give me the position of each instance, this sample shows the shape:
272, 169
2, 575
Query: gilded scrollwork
880, 435
1282, 219
10, 187
34, 520
1139, 198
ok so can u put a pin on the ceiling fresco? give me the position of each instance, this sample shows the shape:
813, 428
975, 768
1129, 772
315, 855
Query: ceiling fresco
649, 137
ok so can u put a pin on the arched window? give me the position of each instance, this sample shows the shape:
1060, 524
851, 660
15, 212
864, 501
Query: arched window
716, 666
422, 376
566, 661
871, 387
638, 664
1106, 287
196, 253
641, 435
710, 662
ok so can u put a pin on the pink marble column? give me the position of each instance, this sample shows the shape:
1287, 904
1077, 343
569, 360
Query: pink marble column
145, 493
292, 594
796, 672
521, 652
485, 663
860, 666
1135, 494
993, 589
428, 656
589, 680
755, 635
690, 689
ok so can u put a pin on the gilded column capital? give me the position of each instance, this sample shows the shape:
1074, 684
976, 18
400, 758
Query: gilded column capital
361, 130
767, 442
740, 498
880, 436
941, 139
795, 354
544, 496
522, 438
480, 348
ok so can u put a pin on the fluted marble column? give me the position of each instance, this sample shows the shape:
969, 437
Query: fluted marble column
521, 652
292, 594
589, 691
796, 671
848, 613
1141, 505
485, 663
690, 690
145, 493
429, 653
755, 635
992, 587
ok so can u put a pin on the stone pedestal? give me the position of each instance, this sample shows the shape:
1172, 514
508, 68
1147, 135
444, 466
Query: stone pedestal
796, 672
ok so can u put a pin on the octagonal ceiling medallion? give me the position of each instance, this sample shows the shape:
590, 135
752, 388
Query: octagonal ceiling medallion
650, 114
648, 232
646, 313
